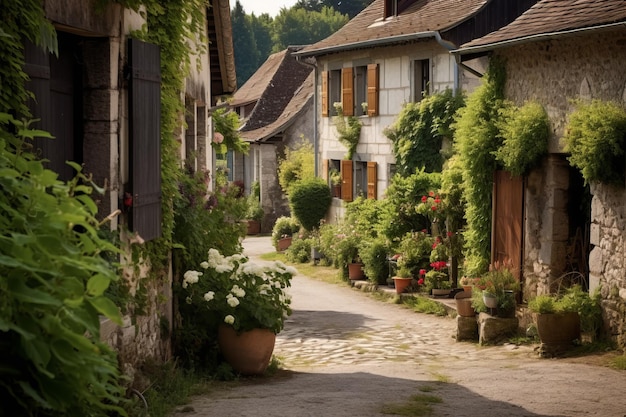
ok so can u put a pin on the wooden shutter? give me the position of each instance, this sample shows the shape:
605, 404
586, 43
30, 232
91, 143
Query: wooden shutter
346, 180
144, 114
347, 91
324, 94
372, 90
372, 180
508, 221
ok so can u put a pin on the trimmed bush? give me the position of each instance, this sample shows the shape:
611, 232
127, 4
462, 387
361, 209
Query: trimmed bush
310, 200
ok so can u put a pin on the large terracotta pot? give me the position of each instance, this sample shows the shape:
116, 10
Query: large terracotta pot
355, 271
254, 227
401, 284
249, 353
463, 301
283, 243
558, 329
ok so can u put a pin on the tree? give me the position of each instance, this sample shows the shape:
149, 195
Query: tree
262, 30
297, 26
246, 57
351, 8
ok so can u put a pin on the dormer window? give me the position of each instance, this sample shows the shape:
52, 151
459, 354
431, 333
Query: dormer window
393, 8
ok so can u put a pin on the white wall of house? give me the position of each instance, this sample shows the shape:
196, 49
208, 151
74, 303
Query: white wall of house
397, 66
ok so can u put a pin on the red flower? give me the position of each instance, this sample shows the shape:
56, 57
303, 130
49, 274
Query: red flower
433, 208
422, 272
437, 200
435, 244
424, 199
420, 281
431, 193
450, 234
424, 231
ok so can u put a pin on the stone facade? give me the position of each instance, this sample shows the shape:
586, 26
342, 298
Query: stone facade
553, 72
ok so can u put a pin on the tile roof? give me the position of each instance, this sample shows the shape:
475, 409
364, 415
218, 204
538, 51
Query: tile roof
553, 17
278, 90
295, 106
423, 16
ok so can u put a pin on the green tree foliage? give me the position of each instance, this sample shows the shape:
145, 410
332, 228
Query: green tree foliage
419, 131
309, 200
300, 27
351, 8
262, 30
595, 137
227, 124
247, 55
298, 164
477, 138
52, 280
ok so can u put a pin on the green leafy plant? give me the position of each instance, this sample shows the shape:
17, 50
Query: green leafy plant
374, 256
498, 282
525, 132
595, 137
54, 273
298, 164
284, 227
309, 200
420, 129
254, 210
335, 176
348, 129
237, 292
300, 250
477, 138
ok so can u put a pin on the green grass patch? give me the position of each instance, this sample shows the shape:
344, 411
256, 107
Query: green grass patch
425, 305
319, 272
619, 362
417, 405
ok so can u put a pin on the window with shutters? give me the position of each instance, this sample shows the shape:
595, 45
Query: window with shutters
356, 88
421, 79
346, 180
360, 179
360, 91
144, 114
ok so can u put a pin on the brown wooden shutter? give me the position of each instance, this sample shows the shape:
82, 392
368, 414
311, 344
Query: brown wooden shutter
346, 180
372, 180
324, 94
325, 169
144, 116
347, 91
372, 90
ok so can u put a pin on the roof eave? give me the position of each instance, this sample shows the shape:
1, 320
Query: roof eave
484, 49
370, 43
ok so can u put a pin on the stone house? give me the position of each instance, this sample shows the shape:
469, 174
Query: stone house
276, 108
100, 98
557, 51
391, 53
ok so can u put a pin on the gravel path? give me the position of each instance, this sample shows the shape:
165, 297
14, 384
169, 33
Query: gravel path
347, 354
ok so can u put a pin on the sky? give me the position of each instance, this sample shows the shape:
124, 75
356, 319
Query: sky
258, 7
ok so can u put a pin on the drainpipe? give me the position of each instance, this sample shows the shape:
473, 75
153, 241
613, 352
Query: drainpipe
450, 47
302, 60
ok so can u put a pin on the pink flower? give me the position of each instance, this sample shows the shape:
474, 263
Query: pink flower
420, 281
422, 272
424, 199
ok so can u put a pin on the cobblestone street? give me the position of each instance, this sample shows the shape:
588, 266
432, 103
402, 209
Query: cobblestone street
347, 354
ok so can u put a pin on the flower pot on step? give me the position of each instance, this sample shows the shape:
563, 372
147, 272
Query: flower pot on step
401, 284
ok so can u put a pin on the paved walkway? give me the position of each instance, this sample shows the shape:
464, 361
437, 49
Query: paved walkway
347, 354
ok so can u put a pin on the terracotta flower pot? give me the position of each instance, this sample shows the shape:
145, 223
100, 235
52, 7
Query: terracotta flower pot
283, 243
254, 227
355, 271
401, 284
249, 353
464, 304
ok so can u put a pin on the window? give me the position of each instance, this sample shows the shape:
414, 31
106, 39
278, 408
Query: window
352, 87
421, 78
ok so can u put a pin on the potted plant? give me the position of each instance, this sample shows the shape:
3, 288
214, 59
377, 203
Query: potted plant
403, 278
347, 254
561, 318
496, 291
254, 213
283, 231
246, 302
335, 182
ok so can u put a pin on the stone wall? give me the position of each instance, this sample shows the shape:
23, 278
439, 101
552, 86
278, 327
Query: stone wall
553, 72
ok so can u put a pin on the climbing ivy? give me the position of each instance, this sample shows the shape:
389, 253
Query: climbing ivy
418, 132
477, 138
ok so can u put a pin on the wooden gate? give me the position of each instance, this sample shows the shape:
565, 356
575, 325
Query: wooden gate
508, 214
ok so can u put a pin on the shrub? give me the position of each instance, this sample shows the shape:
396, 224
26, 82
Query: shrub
309, 200
525, 132
374, 256
299, 251
284, 227
417, 134
53, 279
297, 165
364, 216
595, 138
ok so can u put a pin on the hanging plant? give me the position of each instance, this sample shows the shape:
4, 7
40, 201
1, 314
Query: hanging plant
349, 130
595, 137
525, 132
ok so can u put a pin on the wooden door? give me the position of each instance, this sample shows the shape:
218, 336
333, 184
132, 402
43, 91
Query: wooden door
507, 226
